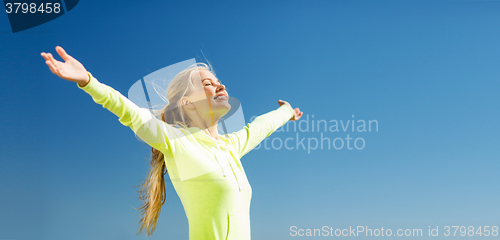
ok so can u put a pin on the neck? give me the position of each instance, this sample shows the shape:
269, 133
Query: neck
208, 127
212, 131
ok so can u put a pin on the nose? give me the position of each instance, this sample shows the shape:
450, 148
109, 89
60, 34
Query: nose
221, 87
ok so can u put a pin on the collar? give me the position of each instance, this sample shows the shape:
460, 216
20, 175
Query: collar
223, 141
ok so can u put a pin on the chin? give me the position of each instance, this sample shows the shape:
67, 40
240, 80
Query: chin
224, 111
223, 106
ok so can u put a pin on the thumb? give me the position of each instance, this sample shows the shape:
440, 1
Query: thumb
63, 53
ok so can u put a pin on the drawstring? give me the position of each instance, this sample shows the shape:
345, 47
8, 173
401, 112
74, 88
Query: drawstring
220, 165
223, 172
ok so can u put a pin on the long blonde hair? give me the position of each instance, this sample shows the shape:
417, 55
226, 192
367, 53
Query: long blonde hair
153, 192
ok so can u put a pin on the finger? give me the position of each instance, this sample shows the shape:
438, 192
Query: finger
63, 53
49, 63
45, 56
53, 64
51, 58
50, 67
49, 55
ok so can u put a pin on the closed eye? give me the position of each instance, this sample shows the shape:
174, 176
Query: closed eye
208, 82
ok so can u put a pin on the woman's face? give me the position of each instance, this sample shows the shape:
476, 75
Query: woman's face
209, 96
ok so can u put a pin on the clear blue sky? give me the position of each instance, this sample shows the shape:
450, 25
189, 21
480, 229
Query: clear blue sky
427, 71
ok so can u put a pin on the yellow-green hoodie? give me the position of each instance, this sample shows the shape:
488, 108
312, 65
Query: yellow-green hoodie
206, 173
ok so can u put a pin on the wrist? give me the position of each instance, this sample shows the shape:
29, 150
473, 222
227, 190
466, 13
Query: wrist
83, 84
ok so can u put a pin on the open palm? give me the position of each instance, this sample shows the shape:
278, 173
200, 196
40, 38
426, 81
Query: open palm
70, 69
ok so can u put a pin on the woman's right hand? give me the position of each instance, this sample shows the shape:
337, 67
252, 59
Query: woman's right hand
70, 69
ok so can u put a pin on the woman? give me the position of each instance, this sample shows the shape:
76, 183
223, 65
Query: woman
204, 167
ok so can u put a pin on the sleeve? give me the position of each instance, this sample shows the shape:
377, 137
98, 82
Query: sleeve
142, 122
261, 127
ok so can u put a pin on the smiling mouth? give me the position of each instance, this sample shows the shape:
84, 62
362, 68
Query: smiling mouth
221, 97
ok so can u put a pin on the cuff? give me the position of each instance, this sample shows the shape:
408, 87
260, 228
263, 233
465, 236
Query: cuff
287, 110
93, 87
90, 80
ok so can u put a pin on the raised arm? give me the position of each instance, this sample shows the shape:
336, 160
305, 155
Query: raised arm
144, 124
261, 127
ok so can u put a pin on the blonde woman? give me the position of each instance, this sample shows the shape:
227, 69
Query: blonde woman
204, 167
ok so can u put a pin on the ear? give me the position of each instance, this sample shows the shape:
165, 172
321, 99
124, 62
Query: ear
187, 104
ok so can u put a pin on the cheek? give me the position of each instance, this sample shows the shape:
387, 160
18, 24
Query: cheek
198, 95
209, 92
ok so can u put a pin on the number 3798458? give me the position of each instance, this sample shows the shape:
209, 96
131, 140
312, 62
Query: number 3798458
32, 8
471, 231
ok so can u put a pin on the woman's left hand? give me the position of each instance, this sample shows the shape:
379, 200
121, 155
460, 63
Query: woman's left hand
297, 113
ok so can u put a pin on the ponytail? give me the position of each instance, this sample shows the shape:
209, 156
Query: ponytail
152, 190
